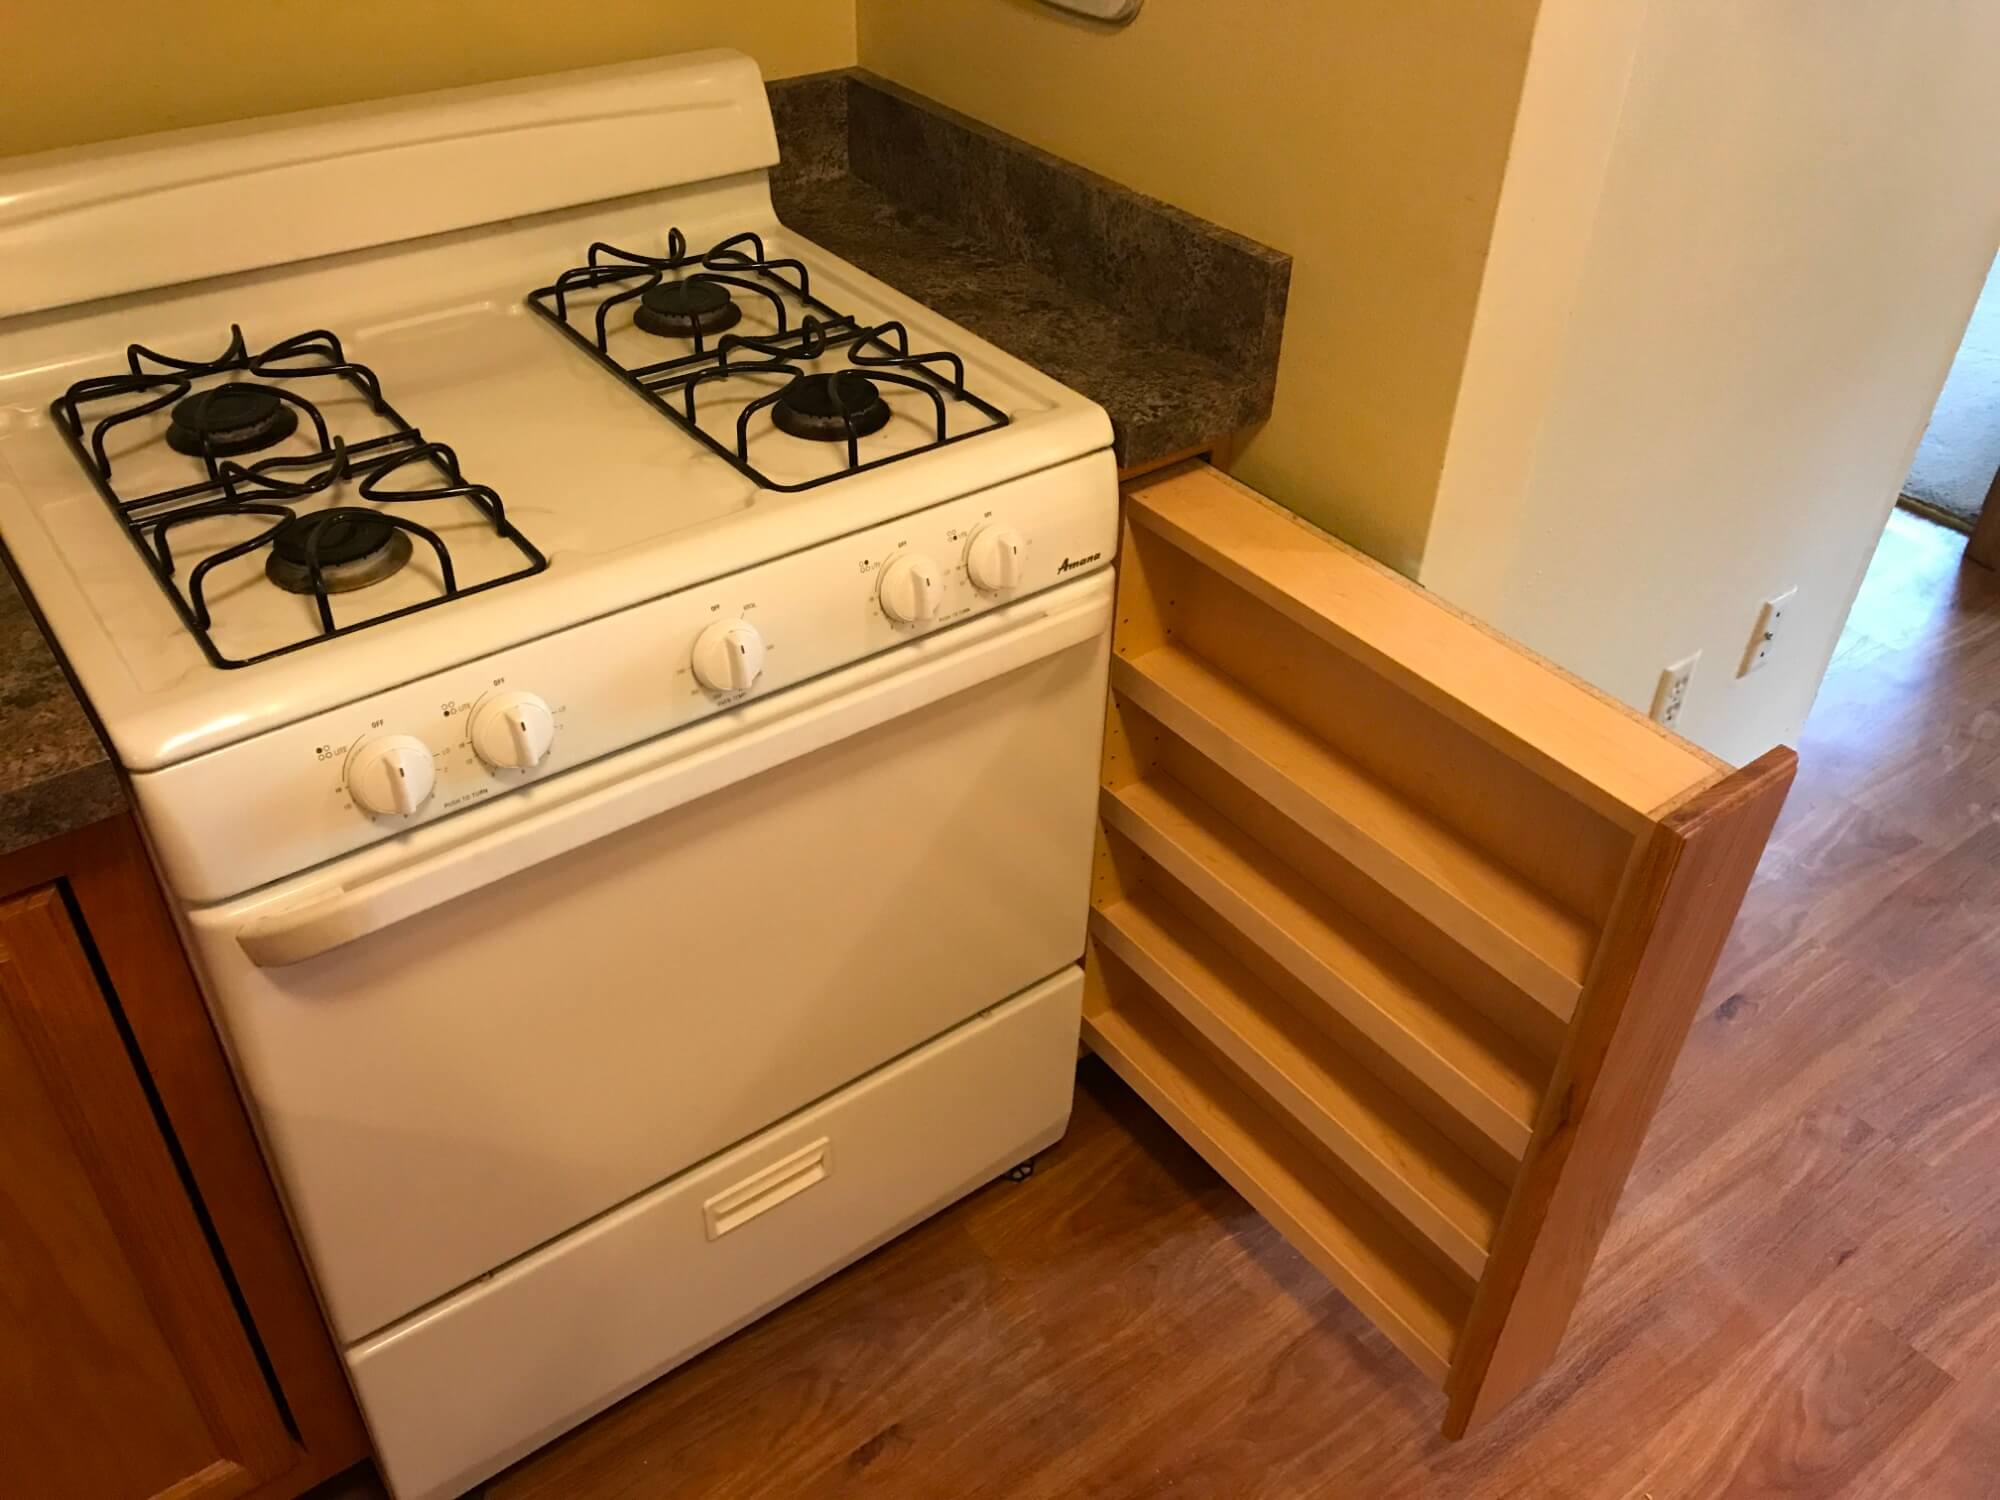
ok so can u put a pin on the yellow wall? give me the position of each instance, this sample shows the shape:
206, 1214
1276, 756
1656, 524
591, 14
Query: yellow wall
1365, 137
91, 70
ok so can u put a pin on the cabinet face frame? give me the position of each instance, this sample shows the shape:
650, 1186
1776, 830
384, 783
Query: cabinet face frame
1401, 926
107, 899
62, 1018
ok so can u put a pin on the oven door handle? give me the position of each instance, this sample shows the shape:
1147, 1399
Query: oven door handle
329, 918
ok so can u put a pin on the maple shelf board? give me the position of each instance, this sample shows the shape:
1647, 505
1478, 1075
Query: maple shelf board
1414, 1303
1490, 910
1434, 1188
1473, 1068
1600, 750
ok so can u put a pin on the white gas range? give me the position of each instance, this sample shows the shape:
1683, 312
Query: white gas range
613, 691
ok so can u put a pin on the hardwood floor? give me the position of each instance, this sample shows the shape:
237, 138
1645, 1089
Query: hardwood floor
1801, 1296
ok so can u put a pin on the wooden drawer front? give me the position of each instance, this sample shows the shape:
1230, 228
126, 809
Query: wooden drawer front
125, 1371
1399, 925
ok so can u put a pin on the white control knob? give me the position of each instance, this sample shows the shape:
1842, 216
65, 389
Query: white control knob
512, 731
729, 656
993, 558
391, 774
911, 588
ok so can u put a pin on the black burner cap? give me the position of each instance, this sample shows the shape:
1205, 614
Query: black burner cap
225, 420
681, 309
353, 548
820, 407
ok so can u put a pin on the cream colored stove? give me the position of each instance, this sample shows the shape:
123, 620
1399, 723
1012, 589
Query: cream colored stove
613, 689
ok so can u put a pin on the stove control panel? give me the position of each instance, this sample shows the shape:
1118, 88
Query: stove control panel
459, 739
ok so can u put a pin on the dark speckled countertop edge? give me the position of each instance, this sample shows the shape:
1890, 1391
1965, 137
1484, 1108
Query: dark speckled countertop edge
56, 776
1170, 323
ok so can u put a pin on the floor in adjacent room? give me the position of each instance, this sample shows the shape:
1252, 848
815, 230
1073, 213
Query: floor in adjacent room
1955, 463
1801, 1294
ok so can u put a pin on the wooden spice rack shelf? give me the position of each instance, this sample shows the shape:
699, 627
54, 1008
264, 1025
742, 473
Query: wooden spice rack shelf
1397, 924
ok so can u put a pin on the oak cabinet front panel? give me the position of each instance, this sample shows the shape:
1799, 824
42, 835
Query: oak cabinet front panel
125, 1371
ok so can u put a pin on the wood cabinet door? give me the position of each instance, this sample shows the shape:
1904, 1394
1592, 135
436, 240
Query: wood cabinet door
1399, 925
125, 1369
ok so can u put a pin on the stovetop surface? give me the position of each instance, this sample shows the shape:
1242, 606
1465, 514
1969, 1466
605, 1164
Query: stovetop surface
625, 500
734, 345
279, 497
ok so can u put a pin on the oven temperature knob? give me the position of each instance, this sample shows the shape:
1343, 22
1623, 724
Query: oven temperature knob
392, 774
729, 656
911, 588
512, 731
993, 558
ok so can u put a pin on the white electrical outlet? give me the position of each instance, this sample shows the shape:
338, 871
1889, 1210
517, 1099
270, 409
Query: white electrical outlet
1670, 697
1770, 624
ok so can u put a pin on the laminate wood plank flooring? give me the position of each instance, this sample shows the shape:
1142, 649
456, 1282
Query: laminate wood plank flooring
1801, 1296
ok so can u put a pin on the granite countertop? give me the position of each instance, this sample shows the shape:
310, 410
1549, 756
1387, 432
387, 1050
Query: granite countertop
1170, 323
56, 775
1162, 399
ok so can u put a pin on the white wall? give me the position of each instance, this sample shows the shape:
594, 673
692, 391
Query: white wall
1704, 352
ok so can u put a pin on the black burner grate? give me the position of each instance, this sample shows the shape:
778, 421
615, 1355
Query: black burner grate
218, 424
829, 406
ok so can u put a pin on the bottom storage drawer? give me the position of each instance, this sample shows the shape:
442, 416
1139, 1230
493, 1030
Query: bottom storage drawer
458, 1391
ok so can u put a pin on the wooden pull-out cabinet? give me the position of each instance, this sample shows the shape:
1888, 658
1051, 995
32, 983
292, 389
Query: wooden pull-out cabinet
1397, 924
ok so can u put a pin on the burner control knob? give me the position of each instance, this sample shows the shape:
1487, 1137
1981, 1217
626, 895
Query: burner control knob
911, 588
729, 656
993, 558
512, 731
391, 774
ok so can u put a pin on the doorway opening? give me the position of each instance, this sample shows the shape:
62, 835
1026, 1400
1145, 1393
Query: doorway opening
1955, 478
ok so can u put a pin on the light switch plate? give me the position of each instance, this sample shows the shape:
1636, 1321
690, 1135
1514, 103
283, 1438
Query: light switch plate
1764, 637
1118, 12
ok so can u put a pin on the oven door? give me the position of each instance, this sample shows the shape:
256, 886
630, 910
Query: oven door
463, 1047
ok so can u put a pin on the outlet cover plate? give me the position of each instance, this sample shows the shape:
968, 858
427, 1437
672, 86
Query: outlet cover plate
1670, 697
1770, 627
